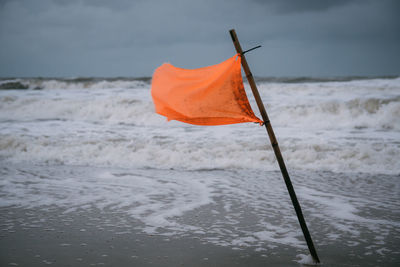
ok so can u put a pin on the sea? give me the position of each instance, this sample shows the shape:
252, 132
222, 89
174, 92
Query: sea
84, 144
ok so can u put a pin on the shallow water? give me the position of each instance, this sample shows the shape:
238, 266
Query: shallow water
356, 214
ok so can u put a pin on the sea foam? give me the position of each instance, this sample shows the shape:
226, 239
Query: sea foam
349, 126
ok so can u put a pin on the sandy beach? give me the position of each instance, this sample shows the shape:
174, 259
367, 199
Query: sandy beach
50, 237
41, 238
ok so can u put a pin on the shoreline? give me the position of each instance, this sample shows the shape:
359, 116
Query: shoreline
91, 216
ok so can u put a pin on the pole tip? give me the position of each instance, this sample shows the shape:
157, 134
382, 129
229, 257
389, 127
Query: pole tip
233, 33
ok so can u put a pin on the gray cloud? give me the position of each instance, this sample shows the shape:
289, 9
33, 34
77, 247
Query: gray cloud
131, 38
293, 6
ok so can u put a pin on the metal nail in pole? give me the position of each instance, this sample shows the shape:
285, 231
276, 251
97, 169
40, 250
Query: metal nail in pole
275, 146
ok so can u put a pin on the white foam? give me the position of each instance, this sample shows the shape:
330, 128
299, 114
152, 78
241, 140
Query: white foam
236, 208
306, 260
77, 83
153, 200
346, 126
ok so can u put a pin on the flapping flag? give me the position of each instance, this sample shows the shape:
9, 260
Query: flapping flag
211, 95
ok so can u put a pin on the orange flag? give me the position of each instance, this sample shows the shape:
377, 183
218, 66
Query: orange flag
211, 95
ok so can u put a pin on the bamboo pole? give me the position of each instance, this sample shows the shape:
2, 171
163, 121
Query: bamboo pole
275, 147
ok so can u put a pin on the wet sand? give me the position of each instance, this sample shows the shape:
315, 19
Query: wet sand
42, 237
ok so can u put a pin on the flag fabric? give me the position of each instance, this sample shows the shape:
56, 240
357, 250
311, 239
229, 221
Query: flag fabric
212, 95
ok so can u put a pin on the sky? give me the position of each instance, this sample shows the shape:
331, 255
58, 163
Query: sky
131, 38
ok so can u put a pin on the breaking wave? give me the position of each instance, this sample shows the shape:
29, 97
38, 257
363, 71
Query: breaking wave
350, 126
73, 83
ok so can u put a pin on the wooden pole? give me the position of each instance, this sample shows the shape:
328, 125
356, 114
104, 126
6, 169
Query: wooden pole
275, 146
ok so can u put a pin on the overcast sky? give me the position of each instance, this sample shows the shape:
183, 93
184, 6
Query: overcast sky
69, 38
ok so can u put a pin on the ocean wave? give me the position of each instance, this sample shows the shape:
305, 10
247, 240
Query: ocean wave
132, 83
322, 79
123, 107
73, 83
337, 126
193, 149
